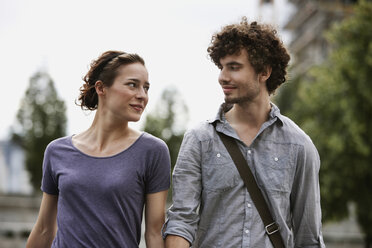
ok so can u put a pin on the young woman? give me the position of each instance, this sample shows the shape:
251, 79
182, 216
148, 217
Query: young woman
97, 183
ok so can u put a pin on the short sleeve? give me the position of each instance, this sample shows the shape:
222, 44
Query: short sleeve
158, 170
48, 182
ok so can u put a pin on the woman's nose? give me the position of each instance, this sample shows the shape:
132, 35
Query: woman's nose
141, 93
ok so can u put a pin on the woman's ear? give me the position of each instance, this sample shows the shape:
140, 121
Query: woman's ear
265, 74
100, 88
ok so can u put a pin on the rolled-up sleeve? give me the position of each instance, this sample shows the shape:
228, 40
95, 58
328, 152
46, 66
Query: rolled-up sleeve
183, 215
305, 199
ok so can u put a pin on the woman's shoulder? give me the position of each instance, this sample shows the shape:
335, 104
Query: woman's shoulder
58, 146
150, 142
60, 142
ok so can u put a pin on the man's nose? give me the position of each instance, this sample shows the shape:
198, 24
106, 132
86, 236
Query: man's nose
224, 77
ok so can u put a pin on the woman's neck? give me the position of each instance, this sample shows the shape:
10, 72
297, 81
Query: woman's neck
105, 137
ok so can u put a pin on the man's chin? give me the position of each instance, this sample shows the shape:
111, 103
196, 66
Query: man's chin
237, 100
233, 100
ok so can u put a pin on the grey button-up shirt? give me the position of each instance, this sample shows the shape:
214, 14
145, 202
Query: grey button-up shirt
212, 207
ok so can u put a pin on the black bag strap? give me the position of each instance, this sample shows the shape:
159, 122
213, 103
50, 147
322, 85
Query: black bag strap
271, 227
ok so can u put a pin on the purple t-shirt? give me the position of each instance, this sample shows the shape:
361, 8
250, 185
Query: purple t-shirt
101, 199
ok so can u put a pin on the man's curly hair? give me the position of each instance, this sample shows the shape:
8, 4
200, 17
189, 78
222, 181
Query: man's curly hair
262, 44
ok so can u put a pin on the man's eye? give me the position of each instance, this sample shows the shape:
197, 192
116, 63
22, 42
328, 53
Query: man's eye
146, 88
131, 84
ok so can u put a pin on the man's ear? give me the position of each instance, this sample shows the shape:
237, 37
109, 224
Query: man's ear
100, 88
265, 74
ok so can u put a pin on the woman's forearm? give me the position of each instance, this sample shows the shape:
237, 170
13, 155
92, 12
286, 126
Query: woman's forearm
154, 240
40, 238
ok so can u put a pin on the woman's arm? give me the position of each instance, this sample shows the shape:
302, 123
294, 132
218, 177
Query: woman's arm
43, 232
154, 218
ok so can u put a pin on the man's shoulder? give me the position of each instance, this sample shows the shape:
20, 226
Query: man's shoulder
202, 130
293, 134
293, 131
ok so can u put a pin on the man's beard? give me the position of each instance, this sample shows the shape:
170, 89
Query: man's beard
252, 90
238, 100
250, 96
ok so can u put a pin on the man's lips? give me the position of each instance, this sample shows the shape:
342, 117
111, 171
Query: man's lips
137, 107
228, 88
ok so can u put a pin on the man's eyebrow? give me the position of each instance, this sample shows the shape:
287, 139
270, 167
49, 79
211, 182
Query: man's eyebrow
234, 63
231, 63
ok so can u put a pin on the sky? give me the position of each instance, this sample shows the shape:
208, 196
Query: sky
63, 37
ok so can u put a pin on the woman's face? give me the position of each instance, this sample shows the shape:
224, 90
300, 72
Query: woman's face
127, 97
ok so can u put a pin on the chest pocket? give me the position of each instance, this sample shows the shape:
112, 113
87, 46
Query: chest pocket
219, 171
276, 165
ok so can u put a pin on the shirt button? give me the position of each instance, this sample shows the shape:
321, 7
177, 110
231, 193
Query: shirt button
246, 231
249, 152
249, 205
276, 159
218, 155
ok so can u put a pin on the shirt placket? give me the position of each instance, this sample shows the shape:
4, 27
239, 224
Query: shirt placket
248, 205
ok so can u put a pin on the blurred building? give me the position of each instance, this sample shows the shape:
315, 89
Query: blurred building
307, 25
14, 179
18, 208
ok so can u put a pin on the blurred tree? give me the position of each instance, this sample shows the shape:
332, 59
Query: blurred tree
168, 121
41, 119
287, 96
335, 108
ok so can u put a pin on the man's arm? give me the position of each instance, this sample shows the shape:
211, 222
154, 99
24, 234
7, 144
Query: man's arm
305, 199
43, 232
183, 216
154, 218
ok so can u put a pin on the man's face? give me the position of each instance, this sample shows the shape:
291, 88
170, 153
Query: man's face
238, 79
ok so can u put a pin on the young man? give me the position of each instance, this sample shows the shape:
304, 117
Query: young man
211, 205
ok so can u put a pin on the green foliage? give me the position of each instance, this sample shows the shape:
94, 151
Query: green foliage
41, 119
168, 120
334, 106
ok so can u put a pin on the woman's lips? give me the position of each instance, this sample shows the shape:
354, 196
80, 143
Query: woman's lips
137, 107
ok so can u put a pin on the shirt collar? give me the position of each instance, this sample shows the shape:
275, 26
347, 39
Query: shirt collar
274, 113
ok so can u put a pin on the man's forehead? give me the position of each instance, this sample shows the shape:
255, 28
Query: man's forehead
240, 56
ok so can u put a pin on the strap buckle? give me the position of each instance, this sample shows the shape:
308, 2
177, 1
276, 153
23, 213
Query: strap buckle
271, 228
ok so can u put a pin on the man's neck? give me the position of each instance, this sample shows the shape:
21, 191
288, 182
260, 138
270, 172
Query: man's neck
249, 113
247, 118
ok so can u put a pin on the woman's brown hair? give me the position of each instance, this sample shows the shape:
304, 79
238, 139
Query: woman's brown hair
105, 69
